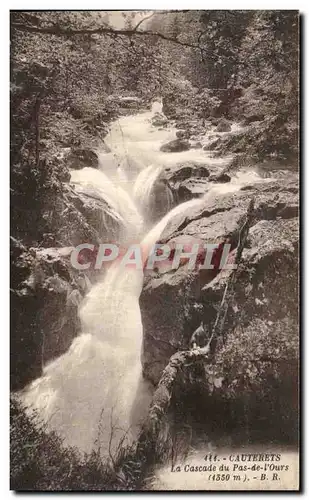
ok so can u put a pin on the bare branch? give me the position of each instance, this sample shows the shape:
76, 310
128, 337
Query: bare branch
69, 32
144, 19
156, 13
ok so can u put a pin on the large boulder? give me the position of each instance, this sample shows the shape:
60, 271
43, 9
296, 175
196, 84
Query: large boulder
253, 118
173, 303
212, 144
187, 180
175, 146
270, 262
273, 200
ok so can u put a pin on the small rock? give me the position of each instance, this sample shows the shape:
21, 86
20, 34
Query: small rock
175, 146
185, 171
220, 178
212, 145
159, 120
182, 134
196, 145
224, 126
252, 119
80, 158
192, 188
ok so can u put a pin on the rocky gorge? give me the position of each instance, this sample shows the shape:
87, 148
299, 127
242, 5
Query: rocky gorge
186, 195
261, 329
275, 229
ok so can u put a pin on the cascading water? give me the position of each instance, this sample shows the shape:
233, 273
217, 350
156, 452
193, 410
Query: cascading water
144, 184
95, 181
94, 394
152, 194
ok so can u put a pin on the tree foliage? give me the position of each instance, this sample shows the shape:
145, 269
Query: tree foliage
245, 68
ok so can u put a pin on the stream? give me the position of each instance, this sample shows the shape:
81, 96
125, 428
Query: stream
94, 395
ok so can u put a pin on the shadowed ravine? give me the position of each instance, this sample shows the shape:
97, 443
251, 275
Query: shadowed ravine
96, 387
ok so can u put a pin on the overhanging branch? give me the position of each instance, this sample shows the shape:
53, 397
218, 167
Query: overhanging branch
103, 30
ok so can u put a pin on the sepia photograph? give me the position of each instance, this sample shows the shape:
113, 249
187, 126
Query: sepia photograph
154, 250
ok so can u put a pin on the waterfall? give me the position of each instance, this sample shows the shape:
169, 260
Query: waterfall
87, 394
94, 394
152, 194
154, 234
144, 184
95, 181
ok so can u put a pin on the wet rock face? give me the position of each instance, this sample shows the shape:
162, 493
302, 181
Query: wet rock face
175, 146
187, 181
196, 145
174, 303
165, 302
45, 294
192, 188
46, 289
79, 217
212, 145
88, 218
